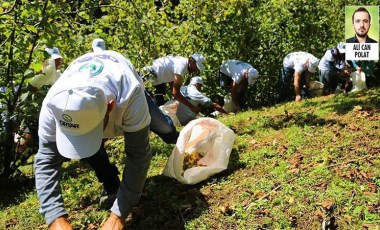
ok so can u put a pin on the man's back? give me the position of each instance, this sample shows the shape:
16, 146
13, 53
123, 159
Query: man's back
120, 83
235, 69
166, 67
196, 98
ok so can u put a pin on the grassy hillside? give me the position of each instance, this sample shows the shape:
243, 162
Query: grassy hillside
301, 165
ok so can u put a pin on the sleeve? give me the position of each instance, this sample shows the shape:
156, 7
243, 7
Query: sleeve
47, 165
38, 80
48, 76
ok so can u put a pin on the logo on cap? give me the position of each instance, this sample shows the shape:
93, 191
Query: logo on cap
67, 122
67, 117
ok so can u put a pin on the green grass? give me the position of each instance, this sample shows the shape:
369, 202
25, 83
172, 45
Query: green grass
292, 167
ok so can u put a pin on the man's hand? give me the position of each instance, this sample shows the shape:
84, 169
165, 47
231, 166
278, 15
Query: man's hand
60, 223
177, 83
195, 109
113, 222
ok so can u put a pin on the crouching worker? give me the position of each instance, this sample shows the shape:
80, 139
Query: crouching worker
98, 96
297, 67
234, 78
193, 93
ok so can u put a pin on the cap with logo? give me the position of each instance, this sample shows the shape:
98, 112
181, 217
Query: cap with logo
341, 47
199, 59
98, 45
54, 53
253, 74
79, 109
313, 64
196, 80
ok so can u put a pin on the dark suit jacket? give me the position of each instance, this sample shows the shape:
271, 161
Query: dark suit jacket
354, 39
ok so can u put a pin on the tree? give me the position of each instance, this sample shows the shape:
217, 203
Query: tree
258, 32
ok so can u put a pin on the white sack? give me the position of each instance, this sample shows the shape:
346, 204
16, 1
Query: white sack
170, 109
207, 136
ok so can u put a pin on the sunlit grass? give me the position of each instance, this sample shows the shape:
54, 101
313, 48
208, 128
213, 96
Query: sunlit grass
292, 166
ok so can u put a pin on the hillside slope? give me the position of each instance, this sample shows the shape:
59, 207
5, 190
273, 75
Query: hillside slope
301, 165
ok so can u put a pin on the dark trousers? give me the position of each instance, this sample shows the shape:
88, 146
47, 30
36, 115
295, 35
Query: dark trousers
161, 124
226, 83
286, 86
106, 172
329, 78
159, 95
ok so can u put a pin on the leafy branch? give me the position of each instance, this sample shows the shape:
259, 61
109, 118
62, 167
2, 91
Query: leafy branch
11, 9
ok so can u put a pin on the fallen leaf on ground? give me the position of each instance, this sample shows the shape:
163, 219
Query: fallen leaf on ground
327, 205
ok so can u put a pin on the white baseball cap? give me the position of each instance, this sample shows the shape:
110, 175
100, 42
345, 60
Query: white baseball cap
313, 64
196, 80
253, 74
98, 45
199, 59
54, 53
79, 110
341, 47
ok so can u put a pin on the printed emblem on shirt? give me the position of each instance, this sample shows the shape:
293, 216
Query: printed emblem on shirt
95, 66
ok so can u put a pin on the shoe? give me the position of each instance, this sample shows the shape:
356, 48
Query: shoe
106, 200
60, 223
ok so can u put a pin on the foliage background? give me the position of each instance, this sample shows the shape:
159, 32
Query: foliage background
259, 32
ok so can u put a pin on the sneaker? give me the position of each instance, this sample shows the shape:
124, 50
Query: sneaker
106, 200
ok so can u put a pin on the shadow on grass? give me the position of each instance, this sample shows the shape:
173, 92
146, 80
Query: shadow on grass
340, 105
15, 191
168, 204
298, 119
345, 103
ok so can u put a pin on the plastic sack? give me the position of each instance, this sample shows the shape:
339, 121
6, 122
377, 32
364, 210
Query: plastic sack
358, 81
229, 105
207, 143
315, 89
170, 109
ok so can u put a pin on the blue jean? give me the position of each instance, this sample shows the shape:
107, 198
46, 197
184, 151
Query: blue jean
48, 163
161, 124
286, 77
329, 78
107, 173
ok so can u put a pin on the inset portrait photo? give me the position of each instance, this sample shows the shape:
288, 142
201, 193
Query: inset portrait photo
362, 32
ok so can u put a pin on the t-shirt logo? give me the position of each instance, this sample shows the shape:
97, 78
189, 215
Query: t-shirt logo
95, 66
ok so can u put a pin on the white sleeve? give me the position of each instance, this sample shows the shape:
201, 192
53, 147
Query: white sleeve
48, 77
